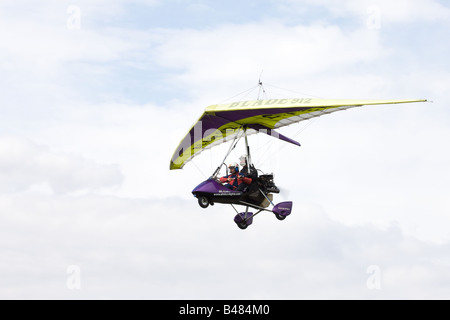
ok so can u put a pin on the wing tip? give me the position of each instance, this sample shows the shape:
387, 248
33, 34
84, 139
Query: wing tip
174, 166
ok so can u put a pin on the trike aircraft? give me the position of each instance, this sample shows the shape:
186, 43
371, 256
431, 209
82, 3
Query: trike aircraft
233, 121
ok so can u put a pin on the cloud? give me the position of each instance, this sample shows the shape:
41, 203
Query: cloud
389, 12
122, 253
24, 164
236, 51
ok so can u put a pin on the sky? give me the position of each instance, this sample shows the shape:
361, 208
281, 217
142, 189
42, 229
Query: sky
96, 95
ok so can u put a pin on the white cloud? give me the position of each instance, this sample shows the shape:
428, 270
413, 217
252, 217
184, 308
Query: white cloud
122, 253
401, 11
412, 11
233, 53
24, 164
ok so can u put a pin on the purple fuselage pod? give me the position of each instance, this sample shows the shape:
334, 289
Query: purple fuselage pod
216, 192
210, 186
283, 208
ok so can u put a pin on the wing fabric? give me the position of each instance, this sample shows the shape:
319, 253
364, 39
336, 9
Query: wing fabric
221, 123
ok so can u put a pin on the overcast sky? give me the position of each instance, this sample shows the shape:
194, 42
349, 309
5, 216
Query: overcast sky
96, 95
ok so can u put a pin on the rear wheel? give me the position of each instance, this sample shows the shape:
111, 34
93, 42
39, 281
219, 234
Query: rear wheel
242, 225
203, 202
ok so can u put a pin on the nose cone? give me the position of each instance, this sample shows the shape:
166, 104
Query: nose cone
208, 186
202, 187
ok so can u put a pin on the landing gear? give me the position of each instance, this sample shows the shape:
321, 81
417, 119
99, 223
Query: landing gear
244, 219
242, 225
280, 217
203, 202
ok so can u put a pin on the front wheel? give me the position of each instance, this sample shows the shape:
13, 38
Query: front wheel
203, 202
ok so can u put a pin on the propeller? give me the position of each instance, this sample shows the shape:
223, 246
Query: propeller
284, 193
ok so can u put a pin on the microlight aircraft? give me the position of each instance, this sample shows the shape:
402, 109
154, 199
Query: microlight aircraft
234, 121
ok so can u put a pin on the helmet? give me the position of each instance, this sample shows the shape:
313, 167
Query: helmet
243, 159
234, 165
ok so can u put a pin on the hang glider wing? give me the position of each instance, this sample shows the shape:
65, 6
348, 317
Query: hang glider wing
221, 123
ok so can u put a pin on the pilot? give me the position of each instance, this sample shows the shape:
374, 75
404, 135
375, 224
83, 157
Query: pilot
247, 175
232, 180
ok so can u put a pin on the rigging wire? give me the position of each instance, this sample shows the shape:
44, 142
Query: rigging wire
243, 94
284, 145
293, 91
199, 170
